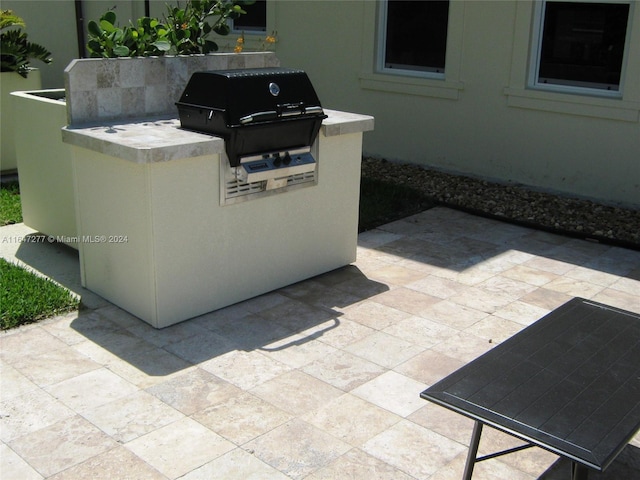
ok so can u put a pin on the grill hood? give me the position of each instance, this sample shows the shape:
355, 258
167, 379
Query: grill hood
255, 110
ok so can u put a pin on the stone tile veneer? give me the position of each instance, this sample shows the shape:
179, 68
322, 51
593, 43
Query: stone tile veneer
106, 89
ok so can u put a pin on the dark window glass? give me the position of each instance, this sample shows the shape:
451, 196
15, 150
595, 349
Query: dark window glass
583, 44
255, 20
416, 35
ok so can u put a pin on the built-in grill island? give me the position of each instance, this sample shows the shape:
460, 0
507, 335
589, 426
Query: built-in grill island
251, 185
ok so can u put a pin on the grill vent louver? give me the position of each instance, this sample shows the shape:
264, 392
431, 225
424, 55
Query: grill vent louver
235, 190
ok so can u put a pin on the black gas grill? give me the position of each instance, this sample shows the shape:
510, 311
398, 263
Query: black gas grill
268, 117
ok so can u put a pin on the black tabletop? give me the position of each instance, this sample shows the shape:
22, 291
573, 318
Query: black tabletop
569, 383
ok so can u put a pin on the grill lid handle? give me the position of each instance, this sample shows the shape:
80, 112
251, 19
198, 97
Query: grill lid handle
259, 116
313, 110
286, 110
290, 109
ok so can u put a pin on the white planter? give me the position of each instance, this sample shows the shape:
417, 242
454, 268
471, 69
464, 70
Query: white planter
44, 163
12, 82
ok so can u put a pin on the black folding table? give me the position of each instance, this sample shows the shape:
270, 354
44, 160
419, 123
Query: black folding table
569, 383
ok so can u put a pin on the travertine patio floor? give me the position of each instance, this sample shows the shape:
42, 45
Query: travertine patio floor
318, 380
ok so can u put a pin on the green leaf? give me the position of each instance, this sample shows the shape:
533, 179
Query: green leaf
107, 26
94, 46
209, 47
222, 29
94, 29
8, 19
110, 17
162, 45
117, 35
121, 51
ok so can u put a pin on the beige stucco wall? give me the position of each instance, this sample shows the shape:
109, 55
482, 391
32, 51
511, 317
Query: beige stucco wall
481, 120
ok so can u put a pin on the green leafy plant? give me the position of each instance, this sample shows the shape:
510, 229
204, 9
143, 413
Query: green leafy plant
16, 51
184, 31
190, 26
150, 37
107, 40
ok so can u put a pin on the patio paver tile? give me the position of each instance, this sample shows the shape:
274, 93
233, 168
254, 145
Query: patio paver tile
30, 412
296, 392
54, 366
14, 383
429, 366
132, 416
91, 389
117, 463
179, 447
193, 391
242, 418
374, 315
384, 349
297, 448
62, 445
393, 392
235, 465
413, 449
13, 465
245, 369
343, 370
358, 465
352, 419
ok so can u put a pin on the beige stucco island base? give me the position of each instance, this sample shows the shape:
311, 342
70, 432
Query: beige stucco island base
157, 238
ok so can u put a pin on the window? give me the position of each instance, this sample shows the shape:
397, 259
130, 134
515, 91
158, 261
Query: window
414, 37
255, 20
580, 46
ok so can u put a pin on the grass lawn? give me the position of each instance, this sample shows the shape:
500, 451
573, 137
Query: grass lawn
10, 208
26, 297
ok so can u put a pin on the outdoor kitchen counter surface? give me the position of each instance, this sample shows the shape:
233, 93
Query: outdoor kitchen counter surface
161, 139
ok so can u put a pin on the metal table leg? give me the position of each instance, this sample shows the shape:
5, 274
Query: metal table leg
579, 472
473, 451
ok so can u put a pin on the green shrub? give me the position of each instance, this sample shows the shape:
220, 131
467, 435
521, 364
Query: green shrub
183, 32
16, 51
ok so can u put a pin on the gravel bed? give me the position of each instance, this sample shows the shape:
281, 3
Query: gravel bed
570, 216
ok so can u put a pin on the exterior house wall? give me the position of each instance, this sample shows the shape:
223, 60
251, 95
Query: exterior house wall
481, 120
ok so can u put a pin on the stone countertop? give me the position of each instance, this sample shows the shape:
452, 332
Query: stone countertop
143, 141
161, 139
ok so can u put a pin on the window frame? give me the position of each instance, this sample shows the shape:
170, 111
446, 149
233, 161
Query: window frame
536, 51
381, 40
449, 88
251, 31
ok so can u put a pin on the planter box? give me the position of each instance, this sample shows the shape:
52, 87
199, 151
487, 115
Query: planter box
44, 163
12, 82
